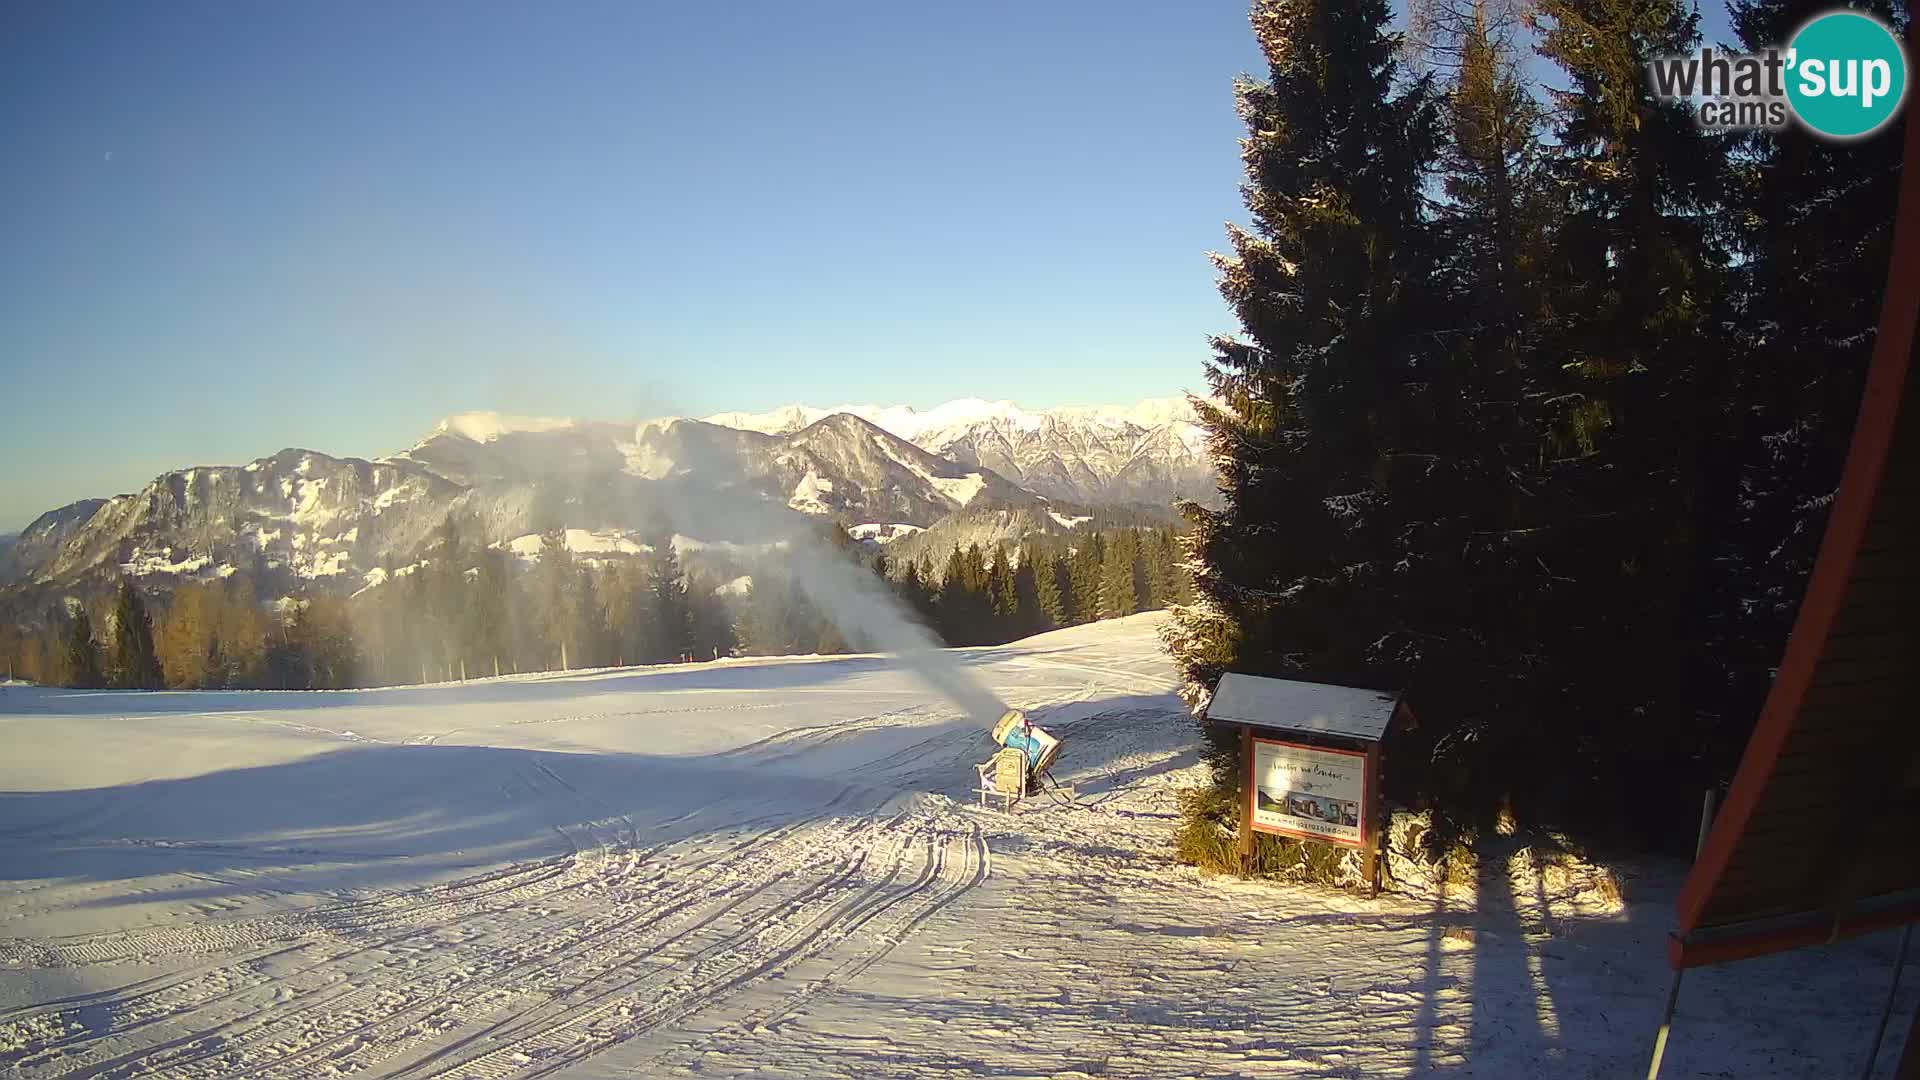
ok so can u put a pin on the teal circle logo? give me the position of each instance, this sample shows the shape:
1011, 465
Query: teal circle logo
1846, 74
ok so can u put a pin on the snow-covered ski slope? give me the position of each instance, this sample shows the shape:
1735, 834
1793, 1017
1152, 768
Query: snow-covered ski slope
768, 868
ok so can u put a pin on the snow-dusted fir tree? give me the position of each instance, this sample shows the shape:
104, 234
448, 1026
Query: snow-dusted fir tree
1328, 285
1468, 586
1639, 328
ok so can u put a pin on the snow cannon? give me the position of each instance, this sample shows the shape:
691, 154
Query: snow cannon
1025, 755
1015, 732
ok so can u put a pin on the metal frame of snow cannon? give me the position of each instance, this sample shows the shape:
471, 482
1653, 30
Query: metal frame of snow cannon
1025, 756
1001, 778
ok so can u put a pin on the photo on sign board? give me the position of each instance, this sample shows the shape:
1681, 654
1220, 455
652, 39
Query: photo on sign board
1310, 792
1310, 806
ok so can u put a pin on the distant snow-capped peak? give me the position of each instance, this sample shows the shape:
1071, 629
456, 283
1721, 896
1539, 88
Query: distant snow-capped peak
1152, 451
912, 424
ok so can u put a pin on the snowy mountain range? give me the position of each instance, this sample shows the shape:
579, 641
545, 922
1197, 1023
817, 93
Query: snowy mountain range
304, 513
1152, 452
884, 473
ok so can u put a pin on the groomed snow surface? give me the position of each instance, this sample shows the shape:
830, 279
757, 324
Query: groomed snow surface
770, 868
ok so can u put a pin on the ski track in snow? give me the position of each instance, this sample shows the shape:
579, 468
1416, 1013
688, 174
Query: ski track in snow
773, 869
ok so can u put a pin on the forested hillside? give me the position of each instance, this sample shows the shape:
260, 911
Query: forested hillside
468, 610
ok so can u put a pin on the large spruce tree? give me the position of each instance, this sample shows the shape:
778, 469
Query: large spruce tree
1639, 461
80, 655
134, 665
1465, 595
1332, 288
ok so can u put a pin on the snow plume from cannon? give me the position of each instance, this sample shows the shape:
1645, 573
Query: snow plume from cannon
852, 598
872, 619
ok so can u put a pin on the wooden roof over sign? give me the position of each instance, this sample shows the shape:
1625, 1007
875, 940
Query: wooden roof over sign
1347, 711
1818, 836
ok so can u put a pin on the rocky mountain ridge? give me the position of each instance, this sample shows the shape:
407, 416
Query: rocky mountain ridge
302, 516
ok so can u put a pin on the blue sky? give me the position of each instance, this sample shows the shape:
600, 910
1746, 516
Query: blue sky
236, 227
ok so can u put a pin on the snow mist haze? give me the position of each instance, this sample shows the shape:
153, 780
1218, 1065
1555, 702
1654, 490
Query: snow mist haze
857, 602
435, 331
873, 619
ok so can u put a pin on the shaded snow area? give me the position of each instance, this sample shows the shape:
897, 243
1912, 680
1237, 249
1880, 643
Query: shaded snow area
771, 868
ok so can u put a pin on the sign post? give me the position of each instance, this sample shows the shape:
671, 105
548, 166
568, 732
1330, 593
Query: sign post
1370, 861
1313, 754
1246, 805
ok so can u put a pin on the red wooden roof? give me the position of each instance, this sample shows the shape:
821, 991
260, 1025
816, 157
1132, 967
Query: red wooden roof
1820, 834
